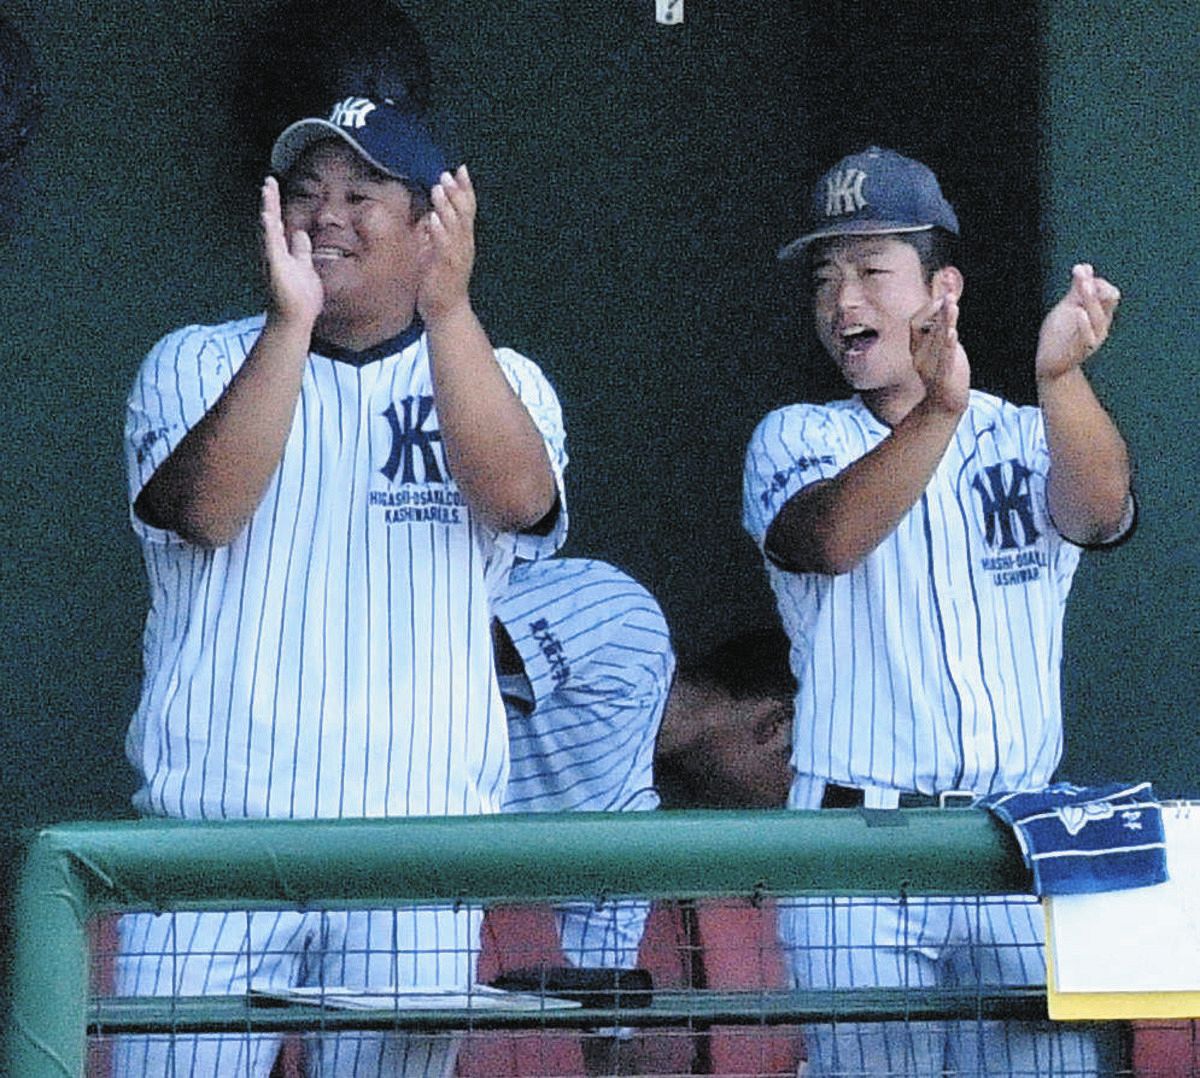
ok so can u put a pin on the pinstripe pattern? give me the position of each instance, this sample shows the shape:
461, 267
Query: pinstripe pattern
935, 663
230, 953
598, 658
333, 661
929, 943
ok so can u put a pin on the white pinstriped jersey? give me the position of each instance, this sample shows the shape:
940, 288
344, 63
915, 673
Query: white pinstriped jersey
598, 668
935, 664
597, 653
335, 658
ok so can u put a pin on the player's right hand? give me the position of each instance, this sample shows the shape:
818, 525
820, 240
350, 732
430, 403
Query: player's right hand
296, 292
939, 357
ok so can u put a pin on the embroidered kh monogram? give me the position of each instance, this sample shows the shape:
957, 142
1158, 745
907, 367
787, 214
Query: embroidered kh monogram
352, 112
409, 437
1006, 503
844, 192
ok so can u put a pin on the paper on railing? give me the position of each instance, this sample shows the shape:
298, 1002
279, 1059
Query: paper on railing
477, 997
1135, 953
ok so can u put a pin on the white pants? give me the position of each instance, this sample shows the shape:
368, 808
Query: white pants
228, 953
927, 943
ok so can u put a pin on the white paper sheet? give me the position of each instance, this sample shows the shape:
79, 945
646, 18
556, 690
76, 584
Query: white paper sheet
1146, 939
480, 997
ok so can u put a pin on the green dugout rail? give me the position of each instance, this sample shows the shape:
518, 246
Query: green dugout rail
76, 871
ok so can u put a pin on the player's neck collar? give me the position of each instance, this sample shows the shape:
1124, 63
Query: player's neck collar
873, 417
377, 351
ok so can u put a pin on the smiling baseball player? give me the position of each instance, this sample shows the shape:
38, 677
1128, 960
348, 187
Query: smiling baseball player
325, 495
921, 538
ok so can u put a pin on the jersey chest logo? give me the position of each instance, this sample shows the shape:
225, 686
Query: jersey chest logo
1006, 504
422, 492
410, 438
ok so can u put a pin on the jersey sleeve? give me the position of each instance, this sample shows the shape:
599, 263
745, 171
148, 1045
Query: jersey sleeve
538, 396
180, 379
598, 657
597, 654
790, 449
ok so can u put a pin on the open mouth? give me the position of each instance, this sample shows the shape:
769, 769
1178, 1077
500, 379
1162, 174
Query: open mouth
856, 339
329, 254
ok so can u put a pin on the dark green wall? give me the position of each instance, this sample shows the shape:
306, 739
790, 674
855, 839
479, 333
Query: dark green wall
635, 181
1121, 139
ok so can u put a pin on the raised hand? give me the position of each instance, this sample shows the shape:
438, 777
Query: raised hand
451, 255
938, 357
1077, 325
296, 292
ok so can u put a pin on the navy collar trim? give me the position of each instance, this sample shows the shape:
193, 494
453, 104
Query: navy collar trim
377, 351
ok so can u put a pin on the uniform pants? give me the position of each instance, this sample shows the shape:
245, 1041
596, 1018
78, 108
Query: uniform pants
228, 953
926, 943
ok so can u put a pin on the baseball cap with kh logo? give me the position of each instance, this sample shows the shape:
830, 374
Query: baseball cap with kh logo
871, 193
393, 140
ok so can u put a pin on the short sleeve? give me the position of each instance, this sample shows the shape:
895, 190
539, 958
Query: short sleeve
538, 396
1030, 426
180, 379
790, 449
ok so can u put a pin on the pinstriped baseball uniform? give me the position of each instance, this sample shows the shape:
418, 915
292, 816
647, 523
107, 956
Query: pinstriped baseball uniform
335, 659
584, 717
932, 665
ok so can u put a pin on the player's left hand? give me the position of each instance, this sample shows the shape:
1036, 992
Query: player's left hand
450, 257
1077, 325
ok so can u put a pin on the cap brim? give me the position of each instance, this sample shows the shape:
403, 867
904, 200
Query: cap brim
847, 228
303, 133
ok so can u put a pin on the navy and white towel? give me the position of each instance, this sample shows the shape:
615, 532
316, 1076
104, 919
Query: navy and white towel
1085, 839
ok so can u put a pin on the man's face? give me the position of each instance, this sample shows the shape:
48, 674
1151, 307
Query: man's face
866, 290
366, 248
750, 757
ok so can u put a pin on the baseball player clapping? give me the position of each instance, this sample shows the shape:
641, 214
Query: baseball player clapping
921, 537
326, 494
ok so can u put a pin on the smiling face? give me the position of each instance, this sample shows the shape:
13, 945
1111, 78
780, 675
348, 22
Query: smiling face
866, 289
368, 246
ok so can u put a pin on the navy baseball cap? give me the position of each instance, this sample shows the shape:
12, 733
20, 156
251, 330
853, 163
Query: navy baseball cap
872, 193
396, 141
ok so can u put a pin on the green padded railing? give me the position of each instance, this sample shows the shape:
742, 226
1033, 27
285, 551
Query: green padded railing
75, 871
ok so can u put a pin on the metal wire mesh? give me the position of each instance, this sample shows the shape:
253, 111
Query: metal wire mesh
692, 951
708, 960
792, 977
